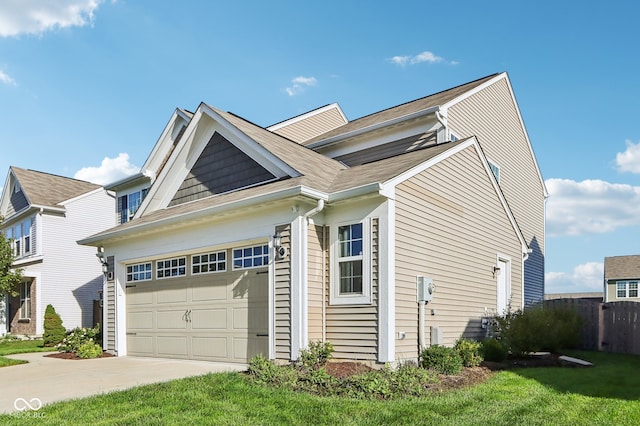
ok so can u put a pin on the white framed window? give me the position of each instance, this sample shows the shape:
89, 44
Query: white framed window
25, 300
495, 169
168, 268
128, 204
351, 277
251, 257
209, 262
626, 289
20, 236
139, 272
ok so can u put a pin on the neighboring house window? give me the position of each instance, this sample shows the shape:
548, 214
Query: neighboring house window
168, 268
495, 169
128, 204
351, 279
625, 289
251, 257
139, 272
453, 137
209, 262
25, 300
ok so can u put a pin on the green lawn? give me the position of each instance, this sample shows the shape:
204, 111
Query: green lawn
604, 395
9, 347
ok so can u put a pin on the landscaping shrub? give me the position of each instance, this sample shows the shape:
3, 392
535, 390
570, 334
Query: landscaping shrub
441, 359
316, 354
54, 331
494, 350
470, 352
89, 350
267, 372
78, 336
539, 329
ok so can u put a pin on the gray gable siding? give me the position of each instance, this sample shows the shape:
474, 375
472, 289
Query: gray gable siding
17, 202
388, 150
221, 167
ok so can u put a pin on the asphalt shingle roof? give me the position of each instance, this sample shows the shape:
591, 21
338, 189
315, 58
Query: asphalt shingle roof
45, 189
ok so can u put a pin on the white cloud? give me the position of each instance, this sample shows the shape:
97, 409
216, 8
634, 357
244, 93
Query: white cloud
299, 84
111, 170
629, 160
425, 56
587, 277
591, 206
6, 79
37, 16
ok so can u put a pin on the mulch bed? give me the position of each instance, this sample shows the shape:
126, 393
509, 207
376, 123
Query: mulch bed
71, 355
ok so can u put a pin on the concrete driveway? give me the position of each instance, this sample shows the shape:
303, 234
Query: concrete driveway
45, 380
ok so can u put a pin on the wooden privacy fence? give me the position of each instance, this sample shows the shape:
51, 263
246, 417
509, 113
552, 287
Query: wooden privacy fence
610, 327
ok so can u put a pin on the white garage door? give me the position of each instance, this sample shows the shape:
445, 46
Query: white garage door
219, 316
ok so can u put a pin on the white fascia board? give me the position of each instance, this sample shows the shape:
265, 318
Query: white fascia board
264, 157
503, 76
376, 126
307, 115
124, 181
198, 214
6, 197
81, 196
355, 192
165, 137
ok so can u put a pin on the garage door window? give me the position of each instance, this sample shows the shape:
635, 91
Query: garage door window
139, 272
209, 262
251, 257
171, 267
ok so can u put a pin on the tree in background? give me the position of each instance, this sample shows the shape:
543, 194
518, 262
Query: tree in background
9, 277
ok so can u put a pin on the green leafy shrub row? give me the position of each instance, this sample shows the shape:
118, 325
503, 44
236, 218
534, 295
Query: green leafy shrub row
89, 350
539, 329
494, 350
444, 360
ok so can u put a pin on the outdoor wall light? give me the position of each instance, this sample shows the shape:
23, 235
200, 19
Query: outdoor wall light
100, 256
281, 252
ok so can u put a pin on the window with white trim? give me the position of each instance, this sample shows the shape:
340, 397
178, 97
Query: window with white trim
25, 300
139, 272
626, 289
20, 237
209, 262
351, 283
128, 204
251, 257
168, 268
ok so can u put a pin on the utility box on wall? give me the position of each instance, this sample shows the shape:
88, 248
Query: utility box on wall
425, 288
436, 336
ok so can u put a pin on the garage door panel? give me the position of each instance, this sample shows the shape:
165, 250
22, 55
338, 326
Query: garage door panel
140, 345
210, 291
240, 318
175, 292
139, 296
141, 320
172, 345
210, 347
214, 319
171, 320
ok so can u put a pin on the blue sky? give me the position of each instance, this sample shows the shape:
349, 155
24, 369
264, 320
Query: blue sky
86, 87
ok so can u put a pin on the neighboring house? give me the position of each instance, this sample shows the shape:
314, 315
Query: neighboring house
259, 240
594, 296
621, 278
44, 215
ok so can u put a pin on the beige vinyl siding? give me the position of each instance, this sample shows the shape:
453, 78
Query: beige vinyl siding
353, 329
283, 298
110, 307
492, 117
450, 226
312, 126
317, 268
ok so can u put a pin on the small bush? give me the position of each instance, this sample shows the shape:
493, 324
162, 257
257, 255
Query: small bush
408, 379
539, 329
78, 336
469, 351
494, 350
267, 372
89, 350
54, 331
441, 359
316, 354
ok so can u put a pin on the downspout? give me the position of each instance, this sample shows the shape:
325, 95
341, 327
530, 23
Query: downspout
305, 291
421, 320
